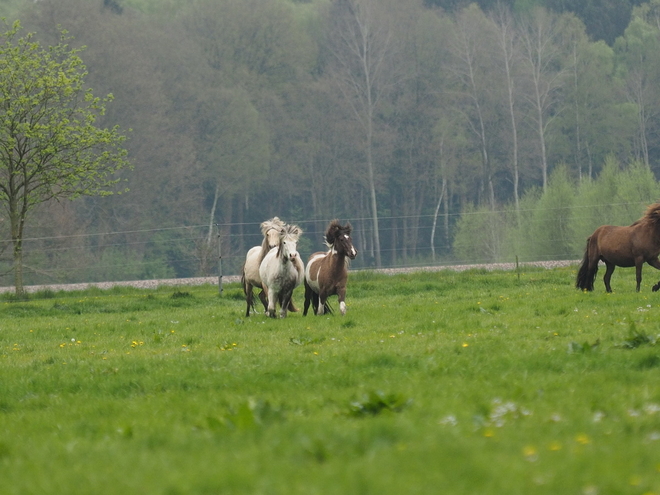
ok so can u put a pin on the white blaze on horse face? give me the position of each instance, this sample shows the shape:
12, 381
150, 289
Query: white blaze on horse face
290, 249
352, 253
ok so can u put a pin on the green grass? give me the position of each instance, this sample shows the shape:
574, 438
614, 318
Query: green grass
461, 383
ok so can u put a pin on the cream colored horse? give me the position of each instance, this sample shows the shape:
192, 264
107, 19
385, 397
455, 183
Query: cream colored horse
250, 275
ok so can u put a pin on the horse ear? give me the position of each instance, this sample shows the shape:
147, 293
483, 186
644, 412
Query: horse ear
348, 228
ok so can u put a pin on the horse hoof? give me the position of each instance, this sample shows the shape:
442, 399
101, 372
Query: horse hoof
656, 287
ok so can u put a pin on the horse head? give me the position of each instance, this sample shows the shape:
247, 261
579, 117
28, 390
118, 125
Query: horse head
288, 242
338, 238
271, 231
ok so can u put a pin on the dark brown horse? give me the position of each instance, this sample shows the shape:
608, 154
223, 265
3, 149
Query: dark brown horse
326, 272
622, 246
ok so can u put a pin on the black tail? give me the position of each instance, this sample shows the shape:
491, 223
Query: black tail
586, 277
248, 293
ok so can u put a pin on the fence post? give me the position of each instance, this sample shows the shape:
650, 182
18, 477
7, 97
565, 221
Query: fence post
219, 261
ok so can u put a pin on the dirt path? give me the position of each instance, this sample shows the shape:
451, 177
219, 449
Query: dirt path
173, 282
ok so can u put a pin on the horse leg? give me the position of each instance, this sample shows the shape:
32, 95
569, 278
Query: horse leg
247, 288
638, 273
609, 269
284, 304
320, 308
315, 302
655, 263
308, 297
341, 295
271, 302
263, 299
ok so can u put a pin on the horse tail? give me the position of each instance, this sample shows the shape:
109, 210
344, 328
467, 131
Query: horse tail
243, 282
586, 275
248, 292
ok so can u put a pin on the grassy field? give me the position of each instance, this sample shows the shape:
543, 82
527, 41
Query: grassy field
454, 383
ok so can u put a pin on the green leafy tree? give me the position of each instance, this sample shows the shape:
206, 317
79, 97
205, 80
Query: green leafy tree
618, 196
50, 146
549, 232
638, 52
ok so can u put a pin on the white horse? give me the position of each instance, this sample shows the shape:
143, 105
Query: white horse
250, 275
282, 270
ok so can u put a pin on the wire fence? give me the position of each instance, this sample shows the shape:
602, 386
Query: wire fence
189, 251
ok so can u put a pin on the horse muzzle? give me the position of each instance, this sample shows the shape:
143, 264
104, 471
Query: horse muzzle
352, 254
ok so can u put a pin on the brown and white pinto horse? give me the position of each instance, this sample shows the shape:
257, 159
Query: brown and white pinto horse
250, 274
282, 270
327, 272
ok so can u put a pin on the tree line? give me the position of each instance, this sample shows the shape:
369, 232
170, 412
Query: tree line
399, 115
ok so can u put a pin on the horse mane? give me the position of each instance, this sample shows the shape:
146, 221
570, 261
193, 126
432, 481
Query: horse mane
289, 230
273, 223
335, 230
652, 215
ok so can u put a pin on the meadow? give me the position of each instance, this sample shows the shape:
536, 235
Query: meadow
459, 383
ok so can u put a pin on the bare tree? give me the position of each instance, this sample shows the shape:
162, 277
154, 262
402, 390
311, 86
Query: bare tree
639, 49
507, 42
540, 34
471, 67
360, 41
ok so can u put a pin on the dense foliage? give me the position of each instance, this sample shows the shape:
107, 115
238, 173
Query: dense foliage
397, 115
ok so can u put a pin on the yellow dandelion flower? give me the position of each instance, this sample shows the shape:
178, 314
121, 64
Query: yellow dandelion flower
582, 439
554, 446
488, 433
529, 451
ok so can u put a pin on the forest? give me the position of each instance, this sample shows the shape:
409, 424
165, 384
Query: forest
444, 131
